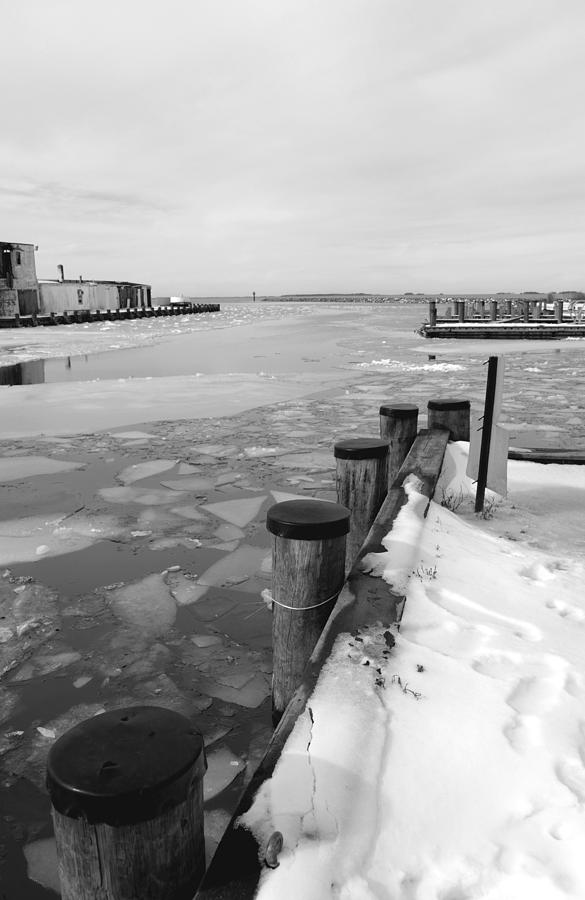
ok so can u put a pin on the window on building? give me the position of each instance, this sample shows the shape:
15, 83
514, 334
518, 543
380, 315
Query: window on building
18, 257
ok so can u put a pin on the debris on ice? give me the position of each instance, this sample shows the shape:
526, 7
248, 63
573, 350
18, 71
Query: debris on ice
143, 470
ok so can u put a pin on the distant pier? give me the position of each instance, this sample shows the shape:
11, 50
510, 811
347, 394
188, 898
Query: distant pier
77, 316
512, 319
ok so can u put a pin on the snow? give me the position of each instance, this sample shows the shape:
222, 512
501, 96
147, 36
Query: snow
17, 468
453, 766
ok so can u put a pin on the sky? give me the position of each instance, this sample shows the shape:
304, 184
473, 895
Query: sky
220, 147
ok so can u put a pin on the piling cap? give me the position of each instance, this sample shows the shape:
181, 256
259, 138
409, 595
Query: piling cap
399, 410
308, 520
448, 404
125, 766
361, 448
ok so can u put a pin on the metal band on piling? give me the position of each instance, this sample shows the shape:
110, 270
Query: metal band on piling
126, 788
452, 415
398, 425
308, 571
362, 483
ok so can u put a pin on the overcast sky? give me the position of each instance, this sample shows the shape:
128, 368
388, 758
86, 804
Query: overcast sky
225, 146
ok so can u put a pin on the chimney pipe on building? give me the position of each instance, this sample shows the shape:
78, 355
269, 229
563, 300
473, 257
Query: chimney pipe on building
61, 273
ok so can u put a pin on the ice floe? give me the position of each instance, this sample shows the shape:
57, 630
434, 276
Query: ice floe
237, 512
17, 468
24, 540
145, 470
144, 496
222, 767
188, 484
146, 604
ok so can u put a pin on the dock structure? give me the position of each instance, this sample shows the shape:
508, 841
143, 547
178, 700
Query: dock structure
518, 318
73, 316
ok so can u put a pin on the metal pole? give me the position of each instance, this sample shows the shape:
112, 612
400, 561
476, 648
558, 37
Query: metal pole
486, 433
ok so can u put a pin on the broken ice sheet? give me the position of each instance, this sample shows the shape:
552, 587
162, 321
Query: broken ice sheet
17, 468
41, 863
130, 435
222, 767
229, 533
30, 618
310, 461
195, 483
145, 496
146, 604
43, 664
219, 450
236, 568
238, 512
189, 512
145, 470
215, 823
24, 540
250, 695
184, 590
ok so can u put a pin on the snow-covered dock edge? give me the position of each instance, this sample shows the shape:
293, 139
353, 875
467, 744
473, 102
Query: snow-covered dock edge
235, 869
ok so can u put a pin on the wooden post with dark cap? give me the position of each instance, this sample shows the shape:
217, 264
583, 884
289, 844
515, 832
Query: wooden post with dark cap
362, 484
452, 415
126, 789
398, 426
308, 571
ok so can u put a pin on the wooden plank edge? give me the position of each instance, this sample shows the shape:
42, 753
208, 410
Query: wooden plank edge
235, 869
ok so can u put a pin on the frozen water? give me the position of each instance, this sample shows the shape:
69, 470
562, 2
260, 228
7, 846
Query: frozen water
168, 543
236, 568
17, 468
188, 512
222, 767
238, 512
219, 450
251, 694
188, 484
187, 469
144, 496
131, 435
229, 533
41, 863
45, 664
208, 610
24, 540
184, 590
281, 496
145, 470
206, 640
216, 822
310, 461
228, 478
146, 604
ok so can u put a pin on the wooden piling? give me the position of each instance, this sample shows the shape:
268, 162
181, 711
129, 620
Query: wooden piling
398, 426
461, 310
308, 571
126, 789
432, 312
362, 484
452, 415
493, 310
559, 310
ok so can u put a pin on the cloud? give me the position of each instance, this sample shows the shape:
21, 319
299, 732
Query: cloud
294, 145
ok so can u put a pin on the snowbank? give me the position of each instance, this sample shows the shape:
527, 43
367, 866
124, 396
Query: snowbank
452, 766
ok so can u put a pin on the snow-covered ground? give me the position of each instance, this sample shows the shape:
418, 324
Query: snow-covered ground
452, 767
